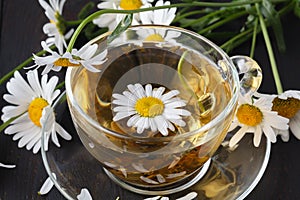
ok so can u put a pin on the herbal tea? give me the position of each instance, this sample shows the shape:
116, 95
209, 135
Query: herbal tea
146, 157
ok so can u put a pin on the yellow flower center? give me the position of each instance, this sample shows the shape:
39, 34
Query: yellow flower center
149, 107
130, 4
35, 110
154, 37
249, 115
286, 107
65, 62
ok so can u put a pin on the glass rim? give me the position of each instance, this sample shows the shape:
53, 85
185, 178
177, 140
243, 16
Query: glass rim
221, 116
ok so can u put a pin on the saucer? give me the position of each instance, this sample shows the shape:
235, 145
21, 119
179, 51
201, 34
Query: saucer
232, 174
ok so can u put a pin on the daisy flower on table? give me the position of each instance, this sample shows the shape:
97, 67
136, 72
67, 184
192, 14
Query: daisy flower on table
86, 57
150, 108
112, 20
55, 29
287, 105
32, 103
256, 116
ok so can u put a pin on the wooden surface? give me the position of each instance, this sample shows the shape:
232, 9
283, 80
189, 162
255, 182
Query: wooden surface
21, 24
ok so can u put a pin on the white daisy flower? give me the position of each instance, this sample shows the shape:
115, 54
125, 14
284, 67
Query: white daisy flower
112, 20
33, 103
54, 61
55, 29
287, 105
256, 116
149, 108
87, 56
158, 17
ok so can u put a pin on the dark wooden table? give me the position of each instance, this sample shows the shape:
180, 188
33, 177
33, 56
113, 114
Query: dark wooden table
21, 24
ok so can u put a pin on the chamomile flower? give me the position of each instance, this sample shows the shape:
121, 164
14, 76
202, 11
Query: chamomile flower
54, 61
158, 17
86, 56
55, 29
150, 108
112, 20
287, 105
32, 103
255, 116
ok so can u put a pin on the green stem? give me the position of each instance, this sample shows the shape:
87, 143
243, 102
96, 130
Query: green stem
270, 51
253, 44
195, 12
205, 17
220, 23
233, 41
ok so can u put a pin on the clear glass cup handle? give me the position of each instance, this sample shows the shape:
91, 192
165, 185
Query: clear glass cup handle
250, 74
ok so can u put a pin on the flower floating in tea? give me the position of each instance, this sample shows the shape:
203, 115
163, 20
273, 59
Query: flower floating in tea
31, 106
256, 116
150, 108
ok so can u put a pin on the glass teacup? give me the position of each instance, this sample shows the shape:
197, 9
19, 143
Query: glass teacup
159, 108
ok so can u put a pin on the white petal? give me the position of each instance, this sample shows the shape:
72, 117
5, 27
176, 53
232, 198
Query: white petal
237, 136
84, 195
169, 95
33, 80
90, 67
257, 136
54, 138
26, 139
7, 166
123, 109
162, 125
36, 147
153, 125
33, 141
148, 90
189, 196
47, 186
132, 121
269, 132
62, 132
158, 93
122, 115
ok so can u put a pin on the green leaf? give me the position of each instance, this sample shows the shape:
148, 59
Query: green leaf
272, 16
122, 26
